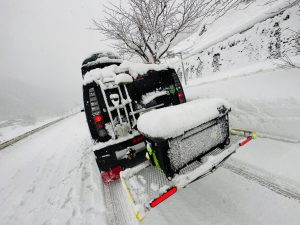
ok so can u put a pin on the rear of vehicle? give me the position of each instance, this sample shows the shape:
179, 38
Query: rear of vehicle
112, 111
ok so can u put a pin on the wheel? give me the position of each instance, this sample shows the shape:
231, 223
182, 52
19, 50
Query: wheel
225, 143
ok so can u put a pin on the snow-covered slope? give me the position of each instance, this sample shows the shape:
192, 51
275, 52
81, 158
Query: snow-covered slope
240, 38
268, 102
238, 57
236, 20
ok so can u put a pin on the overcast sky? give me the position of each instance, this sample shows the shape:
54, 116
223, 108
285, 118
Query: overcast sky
43, 42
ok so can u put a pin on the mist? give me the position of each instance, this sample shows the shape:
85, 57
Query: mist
42, 46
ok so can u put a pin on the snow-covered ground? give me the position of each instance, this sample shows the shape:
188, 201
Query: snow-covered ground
277, 160
225, 198
51, 178
268, 102
11, 129
236, 20
235, 42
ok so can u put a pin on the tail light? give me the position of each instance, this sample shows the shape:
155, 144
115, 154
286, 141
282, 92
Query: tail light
138, 140
99, 121
181, 97
100, 125
98, 118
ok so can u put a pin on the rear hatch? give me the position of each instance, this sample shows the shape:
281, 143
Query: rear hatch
156, 89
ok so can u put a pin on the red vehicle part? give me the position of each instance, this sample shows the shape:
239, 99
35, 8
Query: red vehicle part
163, 197
111, 175
245, 141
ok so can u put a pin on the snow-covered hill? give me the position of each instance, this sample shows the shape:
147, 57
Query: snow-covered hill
249, 41
245, 35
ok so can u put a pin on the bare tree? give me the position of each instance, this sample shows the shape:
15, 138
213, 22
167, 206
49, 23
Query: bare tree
148, 27
288, 3
285, 62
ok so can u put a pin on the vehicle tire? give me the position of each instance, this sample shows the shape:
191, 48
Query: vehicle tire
225, 143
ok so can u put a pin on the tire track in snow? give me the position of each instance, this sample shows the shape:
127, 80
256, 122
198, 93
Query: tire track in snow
118, 210
262, 179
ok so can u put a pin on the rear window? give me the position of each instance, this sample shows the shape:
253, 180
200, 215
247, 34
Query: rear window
152, 81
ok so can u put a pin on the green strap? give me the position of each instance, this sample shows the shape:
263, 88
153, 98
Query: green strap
152, 153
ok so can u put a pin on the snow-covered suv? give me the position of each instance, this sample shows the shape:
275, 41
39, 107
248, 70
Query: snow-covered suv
115, 94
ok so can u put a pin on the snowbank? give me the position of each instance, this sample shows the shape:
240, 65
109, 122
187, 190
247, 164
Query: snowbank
268, 102
233, 22
12, 129
268, 39
173, 121
249, 70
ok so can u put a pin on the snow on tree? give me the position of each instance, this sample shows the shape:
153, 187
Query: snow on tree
149, 27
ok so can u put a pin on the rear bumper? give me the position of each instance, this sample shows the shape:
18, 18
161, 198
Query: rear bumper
113, 155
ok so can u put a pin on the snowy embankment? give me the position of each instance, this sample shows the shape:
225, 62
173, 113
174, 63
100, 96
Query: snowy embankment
236, 20
12, 129
238, 57
244, 50
51, 178
268, 102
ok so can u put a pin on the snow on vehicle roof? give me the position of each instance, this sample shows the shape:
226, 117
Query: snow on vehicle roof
100, 74
103, 60
170, 122
123, 78
134, 69
98, 55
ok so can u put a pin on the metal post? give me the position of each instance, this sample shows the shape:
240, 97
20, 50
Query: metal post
183, 70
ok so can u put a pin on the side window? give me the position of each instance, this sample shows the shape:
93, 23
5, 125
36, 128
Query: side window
95, 109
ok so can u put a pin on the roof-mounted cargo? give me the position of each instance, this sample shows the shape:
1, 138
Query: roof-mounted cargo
100, 60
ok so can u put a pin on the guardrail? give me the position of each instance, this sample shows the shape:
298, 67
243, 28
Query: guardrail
27, 134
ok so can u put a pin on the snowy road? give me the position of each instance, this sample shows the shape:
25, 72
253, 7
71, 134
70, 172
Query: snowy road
51, 178
226, 198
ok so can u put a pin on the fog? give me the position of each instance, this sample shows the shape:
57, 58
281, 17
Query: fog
42, 45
